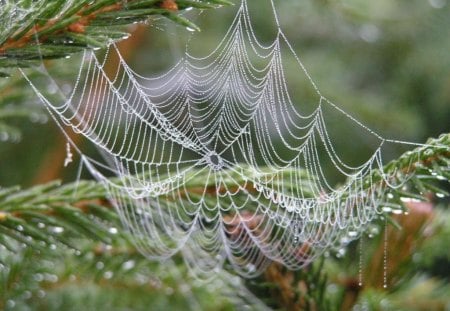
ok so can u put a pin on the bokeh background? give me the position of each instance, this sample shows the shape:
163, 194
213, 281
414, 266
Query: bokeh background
385, 62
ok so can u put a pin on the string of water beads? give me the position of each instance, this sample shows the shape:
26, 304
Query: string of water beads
385, 248
361, 261
219, 186
69, 155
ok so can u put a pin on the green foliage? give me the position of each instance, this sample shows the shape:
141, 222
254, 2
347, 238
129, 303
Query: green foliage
57, 29
62, 246
77, 218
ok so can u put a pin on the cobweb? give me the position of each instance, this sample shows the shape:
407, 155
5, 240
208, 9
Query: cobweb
215, 160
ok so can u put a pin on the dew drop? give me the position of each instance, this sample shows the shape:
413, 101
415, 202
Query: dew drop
38, 277
27, 295
52, 278
66, 88
10, 304
437, 4
52, 88
58, 229
4, 136
108, 275
184, 288
369, 33
41, 293
341, 253
113, 230
127, 265
352, 234
169, 291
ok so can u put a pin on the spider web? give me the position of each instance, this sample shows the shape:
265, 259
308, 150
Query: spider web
214, 159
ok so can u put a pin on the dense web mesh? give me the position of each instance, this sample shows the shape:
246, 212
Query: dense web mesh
214, 159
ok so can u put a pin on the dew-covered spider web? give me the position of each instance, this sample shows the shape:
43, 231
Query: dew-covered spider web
215, 159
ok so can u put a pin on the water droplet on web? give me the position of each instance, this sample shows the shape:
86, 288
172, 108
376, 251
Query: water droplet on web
113, 230
99, 265
108, 275
341, 253
437, 4
38, 277
52, 88
41, 293
52, 278
127, 265
369, 33
27, 295
66, 89
58, 229
4, 136
43, 119
10, 304
345, 240
352, 234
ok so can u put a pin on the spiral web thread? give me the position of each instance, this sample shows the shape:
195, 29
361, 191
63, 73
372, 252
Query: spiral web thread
214, 160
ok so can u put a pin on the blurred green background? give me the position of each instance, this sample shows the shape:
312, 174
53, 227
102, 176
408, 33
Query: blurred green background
385, 62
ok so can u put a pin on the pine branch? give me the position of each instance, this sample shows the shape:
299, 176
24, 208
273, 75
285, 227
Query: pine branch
424, 173
15, 104
49, 29
82, 209
77, 216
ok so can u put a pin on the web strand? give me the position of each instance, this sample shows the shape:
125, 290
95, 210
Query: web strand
214, 159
